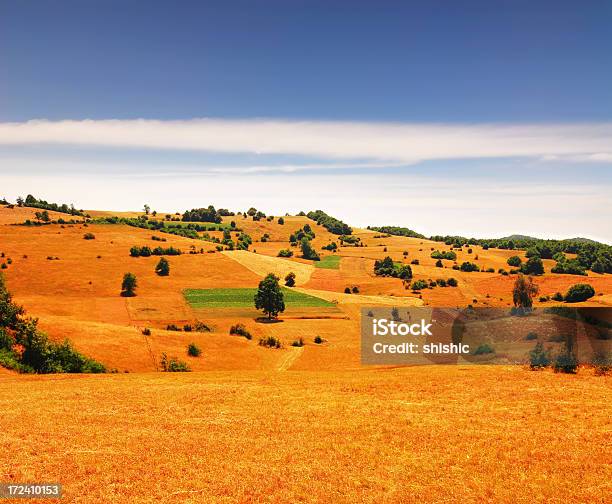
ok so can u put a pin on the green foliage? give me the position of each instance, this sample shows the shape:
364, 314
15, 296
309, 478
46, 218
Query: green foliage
240, 330
386, 267
568, 266
579, 292
419, 285
514, 261
333, 246
484, 349
243, 298
145, 251
330, 223
308, 252
446, 254
533, 266
290, 279
531, 336
202, 215
270, 342
538, 357
452, 282
397, 231
173, 365
281, 221
32, 202
329, 262
269, 297
193, 350
285, 253
163, 267
468, 266
129, 285
318, 340
298, 342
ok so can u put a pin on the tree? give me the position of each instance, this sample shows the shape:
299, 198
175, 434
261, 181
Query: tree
523, 292
163, 267
439, 264
269, 297
281, 221
290, 279
129, 284
147, 209
514, 261
307, 251
533, 266
579, 292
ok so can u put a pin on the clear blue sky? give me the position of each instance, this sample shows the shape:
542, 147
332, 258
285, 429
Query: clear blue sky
407, 61
481, 118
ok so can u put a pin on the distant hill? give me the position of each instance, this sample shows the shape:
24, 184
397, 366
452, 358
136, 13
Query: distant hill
515, 237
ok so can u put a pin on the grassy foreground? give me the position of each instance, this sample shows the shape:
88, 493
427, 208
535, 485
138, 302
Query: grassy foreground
243, 298
434, 434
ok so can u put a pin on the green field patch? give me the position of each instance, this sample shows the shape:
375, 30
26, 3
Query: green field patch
328, 262
243, 298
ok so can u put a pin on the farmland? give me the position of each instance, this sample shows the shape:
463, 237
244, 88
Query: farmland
329, 262
241, 298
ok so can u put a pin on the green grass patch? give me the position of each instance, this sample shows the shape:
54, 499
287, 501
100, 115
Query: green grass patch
241, 298
328, 262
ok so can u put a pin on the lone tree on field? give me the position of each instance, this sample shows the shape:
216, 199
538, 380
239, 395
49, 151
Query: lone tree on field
147, 209
269, 297
128, 287
163, 267
523, 292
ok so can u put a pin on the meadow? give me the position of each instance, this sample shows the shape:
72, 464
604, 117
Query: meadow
243, 298
328, 262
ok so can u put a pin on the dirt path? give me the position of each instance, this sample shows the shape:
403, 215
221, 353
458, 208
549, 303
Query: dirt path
287, 361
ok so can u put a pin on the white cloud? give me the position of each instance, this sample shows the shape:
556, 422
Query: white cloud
387, 142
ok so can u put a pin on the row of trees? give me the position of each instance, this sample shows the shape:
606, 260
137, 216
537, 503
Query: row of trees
31, 201
330, 223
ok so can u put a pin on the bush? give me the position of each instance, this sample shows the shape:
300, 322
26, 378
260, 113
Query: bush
538, 357
441, 282
579, 292
468, 266
285, 253
514, 261
355, 290
163, 267
439, 264
202, 327
565, 362
483, 349
290, 279
129, 285
240, 330
193, 350
414, 261
173, 365
318, 340
173, 327
146, 331
531, 336
557, 296
533, 266
452, 282
347, 290
298, 342
449, 255
418, 285
270, 342
89, 236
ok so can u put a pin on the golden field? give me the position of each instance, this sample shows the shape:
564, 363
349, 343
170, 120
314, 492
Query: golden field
308, 424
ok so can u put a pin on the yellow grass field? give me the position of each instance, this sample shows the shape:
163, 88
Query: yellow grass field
295, 424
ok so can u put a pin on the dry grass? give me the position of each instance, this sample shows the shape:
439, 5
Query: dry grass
262, 265
427, 434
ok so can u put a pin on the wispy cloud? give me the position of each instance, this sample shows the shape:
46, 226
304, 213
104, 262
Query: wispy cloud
381, 142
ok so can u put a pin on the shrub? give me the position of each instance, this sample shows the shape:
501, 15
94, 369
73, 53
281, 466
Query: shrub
533, 266
298, 342
602, 362
418, 285
201, 327
347, 290
557, 296
483, 349
193, 350
448, 254
441, 282
538, 357
270, 342
146, 331
240, 330
355, 290
173, 365
565, 362
281, 221
514, 261
285, 253
129, 285
290, 279
414, 261
452, 282
187, 328
173, 327
318, 340
468, 266
579, 292
163, 267
439, 264
89, 236
531, 336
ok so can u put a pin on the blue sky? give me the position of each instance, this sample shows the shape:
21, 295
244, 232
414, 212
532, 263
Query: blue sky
483, 97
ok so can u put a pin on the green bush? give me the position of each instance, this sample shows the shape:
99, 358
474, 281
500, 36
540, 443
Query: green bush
298, 342
531, 336
565, 362
418, 285
173, 365
579, 292
240, 330
193, 350
285, 253
514, 261
483, 349
270, 342
452, 282
538, 357
318, 340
